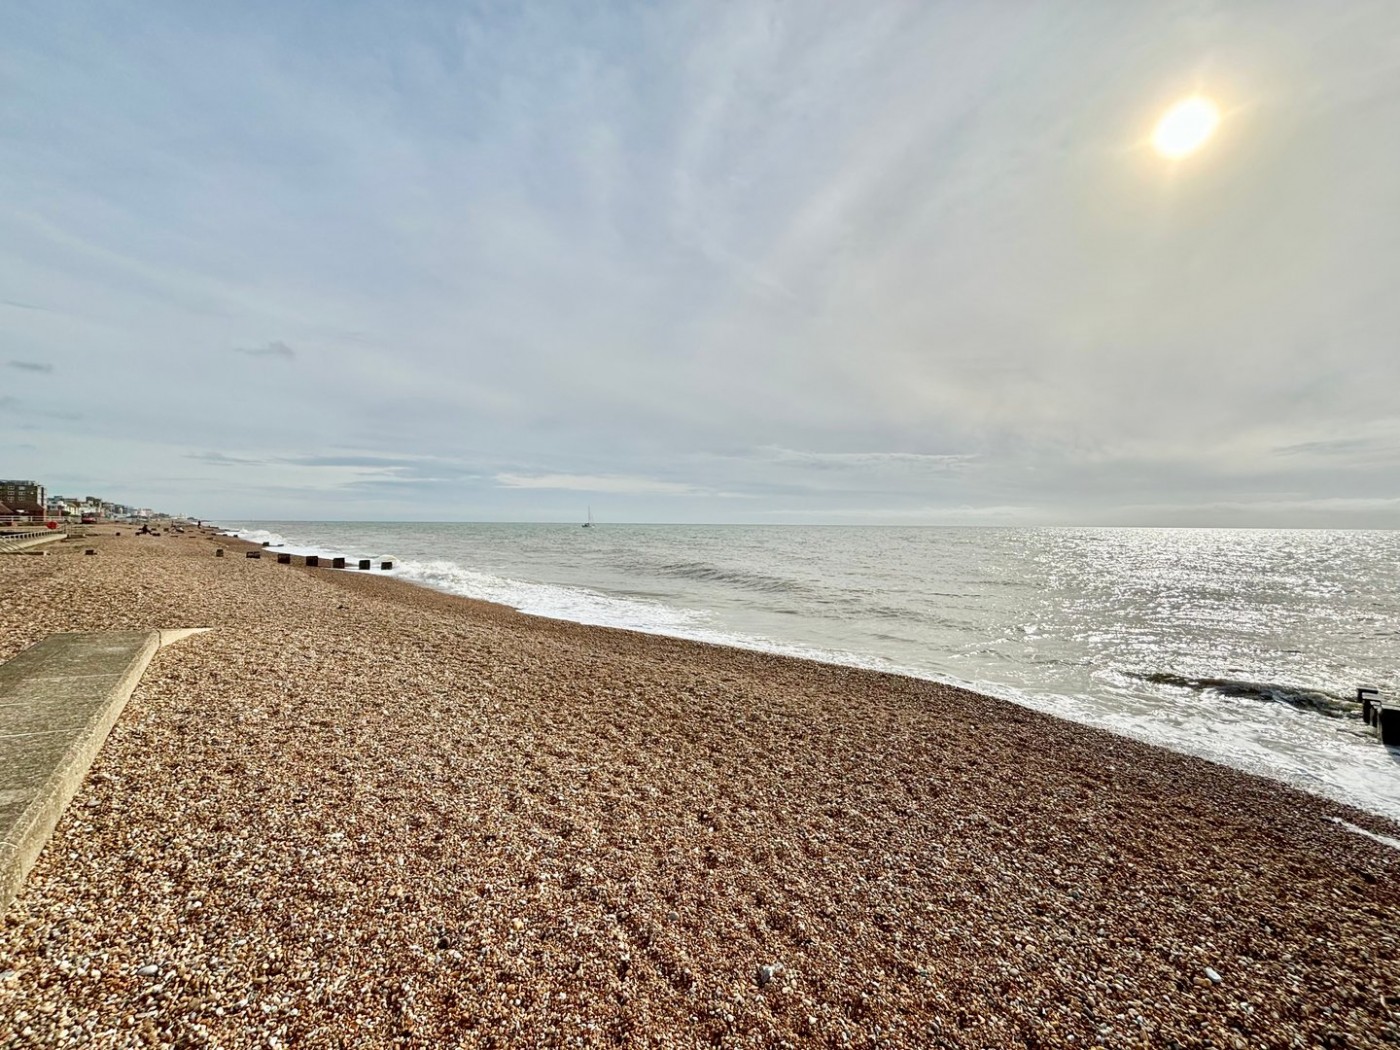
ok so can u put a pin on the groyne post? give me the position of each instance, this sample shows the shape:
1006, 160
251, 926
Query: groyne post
364, 563
1368, 698
1388, 718
284, 559
313, 561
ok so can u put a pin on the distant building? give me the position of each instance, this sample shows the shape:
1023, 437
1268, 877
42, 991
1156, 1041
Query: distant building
13, 492
23, 498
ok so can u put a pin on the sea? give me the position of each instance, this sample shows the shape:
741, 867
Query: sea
1242, 646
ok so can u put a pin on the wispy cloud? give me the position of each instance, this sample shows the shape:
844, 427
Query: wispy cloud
1333, 447
360, 460
832, 256
843, 460
1280, 511
273, 349
1282, 508
618, 483
922, 514
223, 459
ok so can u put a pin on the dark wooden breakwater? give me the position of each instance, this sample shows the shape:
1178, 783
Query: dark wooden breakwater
311, 561
1384, 717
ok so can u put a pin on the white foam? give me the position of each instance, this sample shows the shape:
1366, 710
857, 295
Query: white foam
542, 599
282, 545
579, 605
1384, 840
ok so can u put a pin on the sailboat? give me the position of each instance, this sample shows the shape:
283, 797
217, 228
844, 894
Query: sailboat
589, 523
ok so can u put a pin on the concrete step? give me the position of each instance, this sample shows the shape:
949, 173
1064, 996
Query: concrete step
14, 544
58, 700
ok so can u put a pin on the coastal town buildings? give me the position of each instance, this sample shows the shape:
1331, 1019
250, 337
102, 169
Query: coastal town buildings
27, 501
16, 492
23, 499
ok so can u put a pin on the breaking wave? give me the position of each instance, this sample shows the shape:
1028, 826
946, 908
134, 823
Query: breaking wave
1266, 692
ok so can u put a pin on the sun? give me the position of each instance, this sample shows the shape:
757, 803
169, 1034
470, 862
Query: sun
1186, 127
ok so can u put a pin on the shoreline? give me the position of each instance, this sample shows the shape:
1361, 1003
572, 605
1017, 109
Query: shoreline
1294, 774
431, 819
386, 586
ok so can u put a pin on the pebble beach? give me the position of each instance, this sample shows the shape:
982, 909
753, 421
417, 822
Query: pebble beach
357, 813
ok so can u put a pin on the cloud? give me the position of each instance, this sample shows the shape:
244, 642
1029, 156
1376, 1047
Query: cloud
1284, 507
359, 460
836, 260
1300, 511
221, 459
843, 460
923, 514
31, 366
273, 349
596, 483
1349, 447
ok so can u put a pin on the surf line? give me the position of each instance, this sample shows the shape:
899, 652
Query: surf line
1384, 840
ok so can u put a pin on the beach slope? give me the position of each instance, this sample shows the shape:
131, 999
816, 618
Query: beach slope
360, 814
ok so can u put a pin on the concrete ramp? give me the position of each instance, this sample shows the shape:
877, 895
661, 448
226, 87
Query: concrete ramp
14, 542
58, 700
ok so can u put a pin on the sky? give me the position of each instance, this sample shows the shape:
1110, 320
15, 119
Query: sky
887, 263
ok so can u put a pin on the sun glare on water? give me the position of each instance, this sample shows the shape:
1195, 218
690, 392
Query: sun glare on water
1185, 127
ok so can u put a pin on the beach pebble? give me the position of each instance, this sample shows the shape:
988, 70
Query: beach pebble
365, 768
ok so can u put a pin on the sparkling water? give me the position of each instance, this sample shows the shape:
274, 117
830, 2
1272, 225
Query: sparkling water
1242, 646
